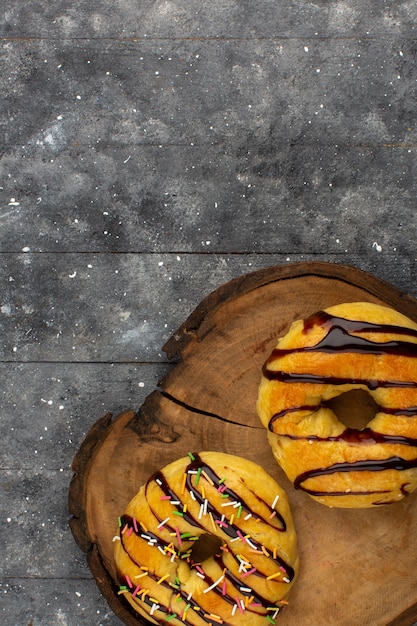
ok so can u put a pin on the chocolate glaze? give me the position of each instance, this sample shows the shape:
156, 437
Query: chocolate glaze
339, 339
326, 320
373, 465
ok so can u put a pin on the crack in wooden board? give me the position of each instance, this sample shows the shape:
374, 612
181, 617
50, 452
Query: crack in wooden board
202, 413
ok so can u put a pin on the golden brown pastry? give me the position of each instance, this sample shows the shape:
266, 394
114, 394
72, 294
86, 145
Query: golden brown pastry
349, 346
244, 581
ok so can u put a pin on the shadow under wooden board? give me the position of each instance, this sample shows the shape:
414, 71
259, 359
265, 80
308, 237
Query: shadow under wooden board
357, 566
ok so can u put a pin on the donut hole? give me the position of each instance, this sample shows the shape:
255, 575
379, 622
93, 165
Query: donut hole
206, 547
355, 408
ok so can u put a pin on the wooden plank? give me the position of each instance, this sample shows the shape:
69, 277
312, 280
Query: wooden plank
47, 409
122, 308
54, 602
36, 506
205, 201
69, 18
91, 93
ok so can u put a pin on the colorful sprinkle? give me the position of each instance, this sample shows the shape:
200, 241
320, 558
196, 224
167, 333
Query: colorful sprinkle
207, 477
191, 455
214, 584
198, 476
135, 591
163, 522
214, 617
161, 580
251, 571
273, 576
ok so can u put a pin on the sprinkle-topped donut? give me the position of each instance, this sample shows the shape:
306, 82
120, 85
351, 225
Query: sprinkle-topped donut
349, 346
244, 581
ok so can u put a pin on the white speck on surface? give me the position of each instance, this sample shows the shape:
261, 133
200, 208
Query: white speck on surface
14, 202
305, 48
141, 384
73, 275
26, 249
377, 246
160, 263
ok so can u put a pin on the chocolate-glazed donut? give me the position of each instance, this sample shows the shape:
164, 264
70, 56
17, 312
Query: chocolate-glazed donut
248, 577
349, 346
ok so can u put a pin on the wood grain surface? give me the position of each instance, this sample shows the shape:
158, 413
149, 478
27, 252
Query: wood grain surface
350, 559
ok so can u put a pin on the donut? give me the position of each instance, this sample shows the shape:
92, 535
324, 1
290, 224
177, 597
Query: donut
349, 346
243, 579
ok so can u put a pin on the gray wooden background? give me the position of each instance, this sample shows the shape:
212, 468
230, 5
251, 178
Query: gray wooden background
150, 151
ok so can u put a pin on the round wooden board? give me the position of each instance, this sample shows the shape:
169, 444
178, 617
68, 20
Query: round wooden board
357, 566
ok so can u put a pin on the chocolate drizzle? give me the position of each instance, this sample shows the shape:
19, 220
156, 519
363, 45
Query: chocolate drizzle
232, 530
341, 338
374, 465
198, 463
